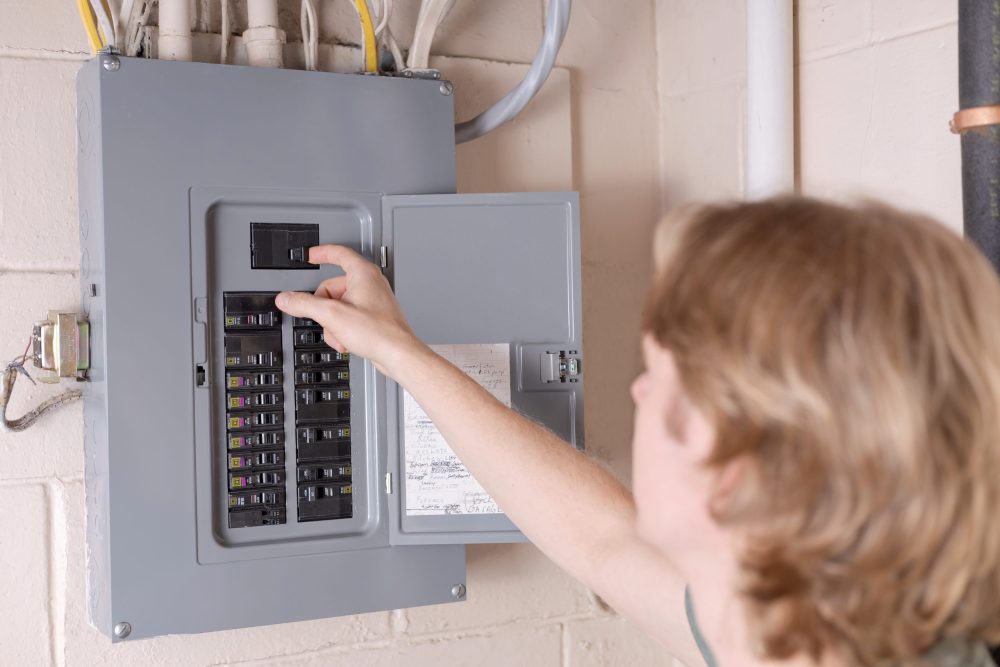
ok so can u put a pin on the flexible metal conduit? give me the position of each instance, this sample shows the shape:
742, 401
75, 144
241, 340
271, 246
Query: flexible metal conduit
978, 90
556, 23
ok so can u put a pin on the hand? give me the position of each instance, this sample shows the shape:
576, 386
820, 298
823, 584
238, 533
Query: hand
357, 310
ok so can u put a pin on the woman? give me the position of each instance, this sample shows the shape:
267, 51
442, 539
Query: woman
817, 439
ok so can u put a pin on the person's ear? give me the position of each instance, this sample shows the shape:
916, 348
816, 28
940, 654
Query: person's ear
730, 477
698, 434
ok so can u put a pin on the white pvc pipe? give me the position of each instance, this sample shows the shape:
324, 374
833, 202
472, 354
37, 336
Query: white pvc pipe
262, 13
263, 38
174, 41
770, 163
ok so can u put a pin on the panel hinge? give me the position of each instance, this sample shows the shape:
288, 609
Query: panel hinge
388, 483
383, 257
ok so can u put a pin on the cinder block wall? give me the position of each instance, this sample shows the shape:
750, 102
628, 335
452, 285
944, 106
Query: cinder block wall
877, 82
653, 100
521, 609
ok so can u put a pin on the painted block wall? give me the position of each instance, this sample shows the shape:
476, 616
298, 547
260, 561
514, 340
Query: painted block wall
593, 129
877, 82
646, 112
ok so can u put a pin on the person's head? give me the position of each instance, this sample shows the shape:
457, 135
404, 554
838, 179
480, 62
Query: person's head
822, 396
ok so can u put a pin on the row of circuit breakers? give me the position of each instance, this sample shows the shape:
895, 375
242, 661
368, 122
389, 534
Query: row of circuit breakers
255, 417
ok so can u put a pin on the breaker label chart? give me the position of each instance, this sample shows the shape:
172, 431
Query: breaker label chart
436, 481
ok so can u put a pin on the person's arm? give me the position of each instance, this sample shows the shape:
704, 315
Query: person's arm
577, 513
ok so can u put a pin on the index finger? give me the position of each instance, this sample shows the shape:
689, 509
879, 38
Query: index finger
339, 255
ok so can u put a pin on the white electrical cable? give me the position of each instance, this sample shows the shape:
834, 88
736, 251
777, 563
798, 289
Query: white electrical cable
306, 27
384, 33
556, 23
124, 12
430, 17
384, 19
310, 34
397, 53
107, 27
224, 53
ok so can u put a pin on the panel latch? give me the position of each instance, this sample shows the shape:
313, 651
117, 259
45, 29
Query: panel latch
561, 366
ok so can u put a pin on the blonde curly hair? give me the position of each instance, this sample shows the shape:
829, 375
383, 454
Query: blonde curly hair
849, 358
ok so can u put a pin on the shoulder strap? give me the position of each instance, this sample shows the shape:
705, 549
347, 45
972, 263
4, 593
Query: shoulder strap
706, 652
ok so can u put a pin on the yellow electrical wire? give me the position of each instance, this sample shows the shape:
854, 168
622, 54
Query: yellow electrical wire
368, 30
90, 25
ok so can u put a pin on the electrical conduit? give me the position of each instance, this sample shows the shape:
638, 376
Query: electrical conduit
174, 41
770, 160
556, 24
263, 39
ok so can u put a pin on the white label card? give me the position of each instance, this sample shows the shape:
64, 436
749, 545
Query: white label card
436, 481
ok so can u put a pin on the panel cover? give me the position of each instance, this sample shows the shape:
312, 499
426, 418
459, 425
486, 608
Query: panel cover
478, 272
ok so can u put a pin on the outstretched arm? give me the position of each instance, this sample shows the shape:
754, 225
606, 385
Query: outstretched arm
577, 513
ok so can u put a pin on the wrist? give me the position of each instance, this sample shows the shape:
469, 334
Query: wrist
404, 358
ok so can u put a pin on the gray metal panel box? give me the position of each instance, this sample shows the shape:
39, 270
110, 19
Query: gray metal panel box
180, 163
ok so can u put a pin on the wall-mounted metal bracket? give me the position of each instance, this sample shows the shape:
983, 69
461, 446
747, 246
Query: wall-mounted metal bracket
61, 346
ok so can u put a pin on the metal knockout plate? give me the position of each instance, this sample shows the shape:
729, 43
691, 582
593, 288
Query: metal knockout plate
487, 269
172, 156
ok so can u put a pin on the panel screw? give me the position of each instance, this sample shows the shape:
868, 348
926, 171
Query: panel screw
458, 591
112, 63
446, 88
123, 629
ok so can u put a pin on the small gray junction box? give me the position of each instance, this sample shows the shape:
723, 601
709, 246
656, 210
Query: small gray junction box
240, 472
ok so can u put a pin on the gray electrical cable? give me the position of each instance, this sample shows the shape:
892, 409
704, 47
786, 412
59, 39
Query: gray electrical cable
10, 374
556, 23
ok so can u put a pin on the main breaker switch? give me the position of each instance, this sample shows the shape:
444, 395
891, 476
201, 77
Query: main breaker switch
282, 246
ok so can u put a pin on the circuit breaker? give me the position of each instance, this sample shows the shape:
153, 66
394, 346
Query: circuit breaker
239, 471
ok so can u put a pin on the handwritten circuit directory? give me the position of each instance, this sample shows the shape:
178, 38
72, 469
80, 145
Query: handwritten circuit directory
436, 481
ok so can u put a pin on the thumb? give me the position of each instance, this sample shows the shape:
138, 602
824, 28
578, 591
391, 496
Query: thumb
303, 304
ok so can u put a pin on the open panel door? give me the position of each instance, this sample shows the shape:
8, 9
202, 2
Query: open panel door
492, 281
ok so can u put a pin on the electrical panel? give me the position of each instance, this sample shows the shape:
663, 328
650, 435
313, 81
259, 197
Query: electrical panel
240, 471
